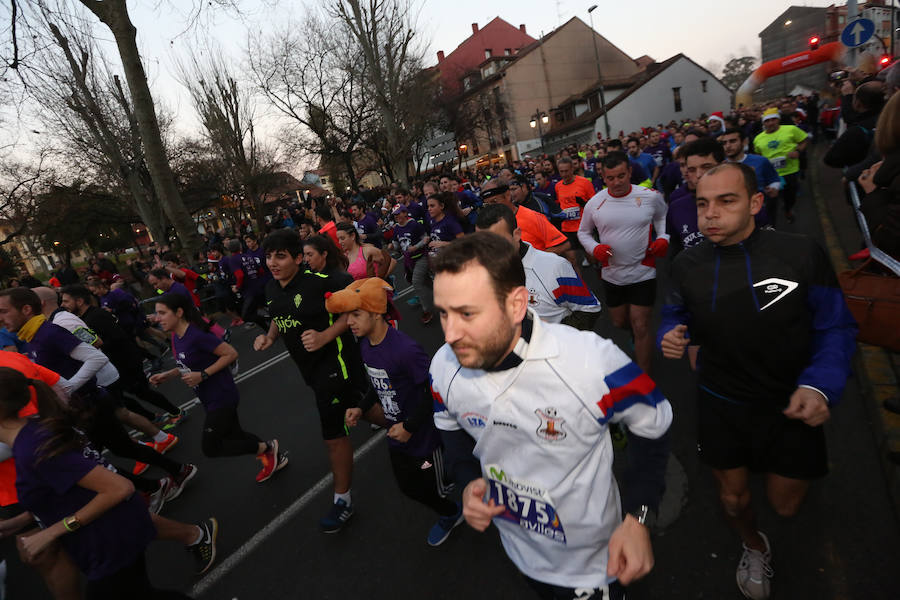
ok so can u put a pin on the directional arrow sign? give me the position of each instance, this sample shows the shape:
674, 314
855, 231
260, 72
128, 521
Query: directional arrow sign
857, 33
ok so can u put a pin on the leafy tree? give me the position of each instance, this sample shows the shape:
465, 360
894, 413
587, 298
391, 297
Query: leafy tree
737, 70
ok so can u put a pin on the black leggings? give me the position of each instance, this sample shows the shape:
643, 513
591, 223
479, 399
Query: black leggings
223, 435
105, 431
129, 582
250, 309
422, 485
136, 384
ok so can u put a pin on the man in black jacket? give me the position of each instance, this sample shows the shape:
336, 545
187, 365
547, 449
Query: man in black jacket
851, 151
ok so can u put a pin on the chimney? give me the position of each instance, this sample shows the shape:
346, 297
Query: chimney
522, 29
440, 56
474, 28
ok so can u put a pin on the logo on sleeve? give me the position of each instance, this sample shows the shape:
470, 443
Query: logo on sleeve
474, 419
550, 428
769, 291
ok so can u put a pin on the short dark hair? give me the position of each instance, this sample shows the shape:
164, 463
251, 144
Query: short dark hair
489, 214
633, 139
695, 132
747, 173
564, 160
614, 159
323, 212
161, 273
705, 146
614, 143
495, 254
522, 180
22, 296
76, 290
283, 239
741, 133
252, 235
170, 257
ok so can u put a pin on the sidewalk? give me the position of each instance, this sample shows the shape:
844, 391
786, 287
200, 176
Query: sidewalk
878, 370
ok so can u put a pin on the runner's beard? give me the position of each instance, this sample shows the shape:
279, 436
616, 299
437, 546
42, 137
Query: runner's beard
491, 351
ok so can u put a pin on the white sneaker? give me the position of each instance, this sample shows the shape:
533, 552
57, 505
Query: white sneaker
754, 572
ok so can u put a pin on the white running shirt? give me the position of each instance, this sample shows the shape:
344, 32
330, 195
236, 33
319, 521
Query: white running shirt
624, 225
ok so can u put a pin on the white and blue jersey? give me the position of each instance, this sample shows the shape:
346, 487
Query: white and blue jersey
554, 288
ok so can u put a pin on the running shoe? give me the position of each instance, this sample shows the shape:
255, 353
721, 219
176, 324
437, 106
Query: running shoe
414, 301
172, 422
157, 499
426, 317
160, 420
168, 444
236, 322
204, 551
337, 517
271, 460
441, 530
187, 473
139, 467
754, 572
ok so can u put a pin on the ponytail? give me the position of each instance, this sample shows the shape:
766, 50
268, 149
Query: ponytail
175, 301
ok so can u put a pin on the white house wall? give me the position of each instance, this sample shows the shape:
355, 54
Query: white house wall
653, 102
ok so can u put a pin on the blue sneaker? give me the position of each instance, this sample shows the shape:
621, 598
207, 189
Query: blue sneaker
441, 530
339, 514
414, 301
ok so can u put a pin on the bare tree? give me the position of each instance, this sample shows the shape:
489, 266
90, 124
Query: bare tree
228, 115
312, 75
20, 185
384, 32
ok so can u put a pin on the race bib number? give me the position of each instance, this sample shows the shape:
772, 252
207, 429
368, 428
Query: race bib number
779, 162
527, 505
381, 383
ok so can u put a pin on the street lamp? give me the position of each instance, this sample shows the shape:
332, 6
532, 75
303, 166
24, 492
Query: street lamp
536, 119
462, 150
599, 74
784, 53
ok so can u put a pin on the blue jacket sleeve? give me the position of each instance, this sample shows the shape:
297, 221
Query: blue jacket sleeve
769, 174
834, 332
674, 311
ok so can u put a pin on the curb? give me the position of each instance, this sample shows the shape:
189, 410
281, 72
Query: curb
872, 364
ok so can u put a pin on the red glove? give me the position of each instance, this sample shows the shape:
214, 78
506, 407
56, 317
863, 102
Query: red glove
657, 249
603, 253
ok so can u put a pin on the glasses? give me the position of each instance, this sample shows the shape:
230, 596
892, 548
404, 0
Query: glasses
496, 191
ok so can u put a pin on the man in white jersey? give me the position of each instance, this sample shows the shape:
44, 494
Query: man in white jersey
625, 217
555, 291
523, 408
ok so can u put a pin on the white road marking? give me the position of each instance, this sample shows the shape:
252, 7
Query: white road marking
224, 567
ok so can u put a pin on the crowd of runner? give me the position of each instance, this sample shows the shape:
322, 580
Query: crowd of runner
518, 410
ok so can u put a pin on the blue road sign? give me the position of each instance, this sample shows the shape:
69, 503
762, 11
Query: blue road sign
857, 33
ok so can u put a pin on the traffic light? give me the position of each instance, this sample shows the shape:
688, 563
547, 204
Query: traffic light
814, 42
884, 60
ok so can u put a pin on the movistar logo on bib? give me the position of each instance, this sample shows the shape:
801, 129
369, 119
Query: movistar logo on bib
527, 504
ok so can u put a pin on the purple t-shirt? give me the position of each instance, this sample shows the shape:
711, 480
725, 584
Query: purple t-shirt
196, 351
661, 153
51, 346
368, 226
446, 229
126, 308
49, 489
256, 275
227, 266
415, 210
398, 370
409, 235
180, 289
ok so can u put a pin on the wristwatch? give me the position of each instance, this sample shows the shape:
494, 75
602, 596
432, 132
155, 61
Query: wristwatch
640, 513
71, 524
204, 375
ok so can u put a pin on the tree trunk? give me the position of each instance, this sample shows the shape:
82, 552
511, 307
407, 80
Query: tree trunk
348, 162
114, 14
144, 204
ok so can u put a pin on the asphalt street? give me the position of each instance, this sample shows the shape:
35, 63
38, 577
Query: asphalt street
845, 543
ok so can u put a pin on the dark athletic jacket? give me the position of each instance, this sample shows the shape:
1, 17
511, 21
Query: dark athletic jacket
768, 315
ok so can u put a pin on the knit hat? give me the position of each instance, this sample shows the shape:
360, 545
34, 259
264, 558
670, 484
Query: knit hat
717, 116
770, 113
369, 294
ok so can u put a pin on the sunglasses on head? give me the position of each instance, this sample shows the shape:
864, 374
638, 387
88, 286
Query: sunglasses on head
496, 191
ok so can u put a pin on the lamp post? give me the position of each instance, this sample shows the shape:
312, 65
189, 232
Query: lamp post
462, 150
599, 73
536, 119
784, 53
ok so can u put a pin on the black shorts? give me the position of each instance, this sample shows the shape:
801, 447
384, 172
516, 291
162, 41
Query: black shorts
334, 395
642, 293
758, 437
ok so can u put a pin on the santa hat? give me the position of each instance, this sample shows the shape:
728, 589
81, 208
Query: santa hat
717, 116
770, 113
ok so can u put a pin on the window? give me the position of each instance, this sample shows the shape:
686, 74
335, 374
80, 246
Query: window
487, 52
676, 96
507, 52
594, 102
703, 85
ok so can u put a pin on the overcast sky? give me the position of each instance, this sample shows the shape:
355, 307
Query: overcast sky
708, 31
